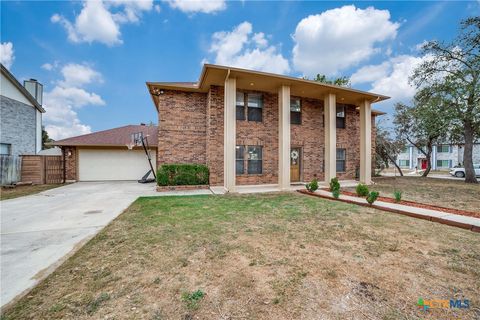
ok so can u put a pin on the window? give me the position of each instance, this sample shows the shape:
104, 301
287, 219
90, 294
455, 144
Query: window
404, 163
5, 149
255, 106
254, 159
444, 148
341, 160
406, 149
240, 105
295, 111
239, 160
340, 116
444, 163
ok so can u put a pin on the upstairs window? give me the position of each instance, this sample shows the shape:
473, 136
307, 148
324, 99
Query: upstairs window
255, 107
240, 105
255, 160
341, 116
295, 111
444, 148
341, 160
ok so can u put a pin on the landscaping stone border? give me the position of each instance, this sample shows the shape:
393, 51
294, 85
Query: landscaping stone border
462, 225
182, 188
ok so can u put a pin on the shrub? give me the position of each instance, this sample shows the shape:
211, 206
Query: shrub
372, 197
313, 185
362, 190
334, 184
182, 174
192, 299
336, 193
397, 195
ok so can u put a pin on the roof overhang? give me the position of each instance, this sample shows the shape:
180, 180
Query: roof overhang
22, 89
215, 75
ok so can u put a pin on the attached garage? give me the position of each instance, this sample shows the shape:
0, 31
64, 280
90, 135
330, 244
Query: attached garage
112, 164
110, 155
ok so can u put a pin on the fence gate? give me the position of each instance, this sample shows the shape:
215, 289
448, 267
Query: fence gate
42, 169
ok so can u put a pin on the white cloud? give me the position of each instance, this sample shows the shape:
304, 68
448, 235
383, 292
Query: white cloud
69, 95
47, 66
340, 38
193, 6
245, 49
100, 21
6, 54
390, 77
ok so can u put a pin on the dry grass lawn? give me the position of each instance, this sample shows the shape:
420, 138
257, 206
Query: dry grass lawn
25, 190
269, 256
441, 192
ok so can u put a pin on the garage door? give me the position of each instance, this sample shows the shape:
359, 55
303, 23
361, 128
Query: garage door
97, 165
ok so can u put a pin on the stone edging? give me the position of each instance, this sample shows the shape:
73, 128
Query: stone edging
182, 188
466, 226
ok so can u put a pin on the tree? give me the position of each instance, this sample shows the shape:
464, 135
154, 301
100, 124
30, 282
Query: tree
388, 148
46, 139
342, 81
424, 124
452, 73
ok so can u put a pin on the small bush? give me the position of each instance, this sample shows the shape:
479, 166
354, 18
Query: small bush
336, 193
182, 174
334, 184
362, 190
192, 299
397, 195
313, 185
372, 197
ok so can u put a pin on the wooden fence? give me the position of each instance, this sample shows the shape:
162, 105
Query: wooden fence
42, 169
10, 169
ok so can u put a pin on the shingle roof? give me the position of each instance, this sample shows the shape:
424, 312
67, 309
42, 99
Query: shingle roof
115, 137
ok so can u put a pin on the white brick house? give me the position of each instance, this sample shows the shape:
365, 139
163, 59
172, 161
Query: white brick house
444, 157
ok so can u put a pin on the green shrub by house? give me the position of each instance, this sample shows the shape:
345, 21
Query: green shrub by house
334, 184
372, 197
397, 195
182, 174
336, 193
362, 190
312, 186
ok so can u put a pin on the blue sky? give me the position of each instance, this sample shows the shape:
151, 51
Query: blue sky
94, 58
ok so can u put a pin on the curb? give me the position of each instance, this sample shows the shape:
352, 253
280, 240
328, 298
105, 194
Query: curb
465, 226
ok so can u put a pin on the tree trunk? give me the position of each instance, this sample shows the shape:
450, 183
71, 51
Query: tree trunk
396, 165
467, 154
428, 157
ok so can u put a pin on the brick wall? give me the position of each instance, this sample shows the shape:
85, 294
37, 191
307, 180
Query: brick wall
71, 163
182, 127
191, 131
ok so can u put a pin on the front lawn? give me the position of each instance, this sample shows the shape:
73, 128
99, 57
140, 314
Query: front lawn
269, 256
25, 190
440, 192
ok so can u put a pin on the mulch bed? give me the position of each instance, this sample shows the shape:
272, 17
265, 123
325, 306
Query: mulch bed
417, 205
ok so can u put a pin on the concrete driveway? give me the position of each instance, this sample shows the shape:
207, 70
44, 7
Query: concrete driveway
39, 231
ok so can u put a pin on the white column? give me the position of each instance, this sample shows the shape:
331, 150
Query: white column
284, 137
330, 115
410, 157
365, 142
229, 133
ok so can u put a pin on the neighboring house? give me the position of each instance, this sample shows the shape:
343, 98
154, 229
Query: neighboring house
444, 157
21, 116
105, 155
254, 128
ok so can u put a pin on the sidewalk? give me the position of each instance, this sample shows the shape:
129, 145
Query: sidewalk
456, 220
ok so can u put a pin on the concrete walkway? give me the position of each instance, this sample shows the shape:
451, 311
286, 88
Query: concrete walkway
427, 214
262, 188
39, 231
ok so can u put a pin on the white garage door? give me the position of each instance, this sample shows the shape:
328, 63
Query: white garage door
97, 165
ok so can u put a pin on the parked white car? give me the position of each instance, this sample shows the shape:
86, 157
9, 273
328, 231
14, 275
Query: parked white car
460, 172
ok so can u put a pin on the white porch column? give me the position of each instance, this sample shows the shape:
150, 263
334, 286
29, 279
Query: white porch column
284, 137
330, 115
229, 133
365, 142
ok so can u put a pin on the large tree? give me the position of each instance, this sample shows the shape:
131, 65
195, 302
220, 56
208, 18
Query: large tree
46, 139
424, 124
451, 71
388, 148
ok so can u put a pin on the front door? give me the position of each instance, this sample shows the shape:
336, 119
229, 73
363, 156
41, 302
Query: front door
295, 164
424, 164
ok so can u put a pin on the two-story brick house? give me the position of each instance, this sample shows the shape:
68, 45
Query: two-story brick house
253, 127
